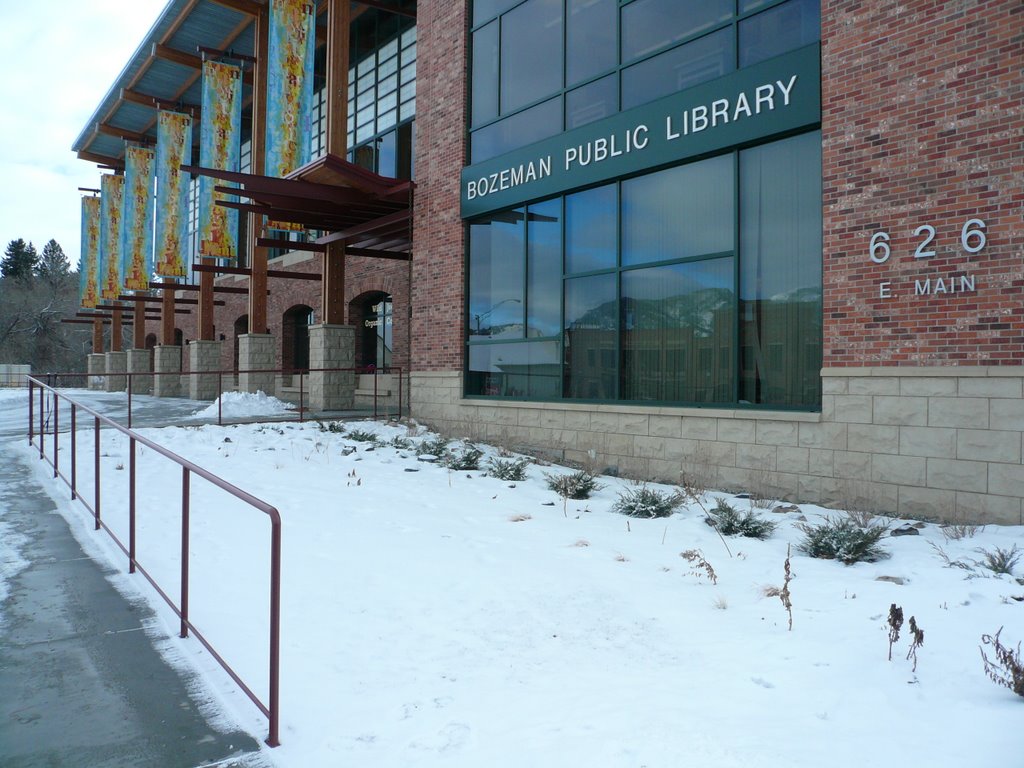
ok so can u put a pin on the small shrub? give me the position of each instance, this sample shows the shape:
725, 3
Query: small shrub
1007, 670
508, 469
468, 459
361, 436
400, 443
578, 485
958, 531
843, 540
1000, 560
646, 502
730, 522
698, 565
784, 594
435, 446
330, 426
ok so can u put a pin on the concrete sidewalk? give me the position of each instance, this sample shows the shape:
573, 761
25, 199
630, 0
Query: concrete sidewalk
80, 681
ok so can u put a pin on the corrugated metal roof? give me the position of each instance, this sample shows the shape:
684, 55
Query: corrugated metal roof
183, 25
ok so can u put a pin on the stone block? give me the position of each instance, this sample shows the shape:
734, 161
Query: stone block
986, 509
958, 412
717, 453
855, 409
988, 445
167, 370
835, 385
1009, 387
957, 475
333, 346
928, 386
140, 362
699, 428
778, 433
577, 420
116, 365
789, 459
1006, 413
633, 424
204, 356
901, 411
1006, 479
874, 385
927, 503
604, 422
824, 435
873, 438
255, 357
851, 465
899, 470
97, 369
753, 456
665, 426
737, 430
939, 442
618, 445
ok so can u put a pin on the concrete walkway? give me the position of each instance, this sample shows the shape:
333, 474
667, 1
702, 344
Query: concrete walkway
80, 681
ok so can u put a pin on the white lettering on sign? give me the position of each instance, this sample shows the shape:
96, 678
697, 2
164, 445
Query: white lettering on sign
606, 147
723, 111
507, 178
944, 285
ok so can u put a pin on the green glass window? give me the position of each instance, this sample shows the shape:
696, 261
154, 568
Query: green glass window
531, 53
544, 269
497, 265
780, 272
590, 38
515, 370
590, 240
591, 337
648, 25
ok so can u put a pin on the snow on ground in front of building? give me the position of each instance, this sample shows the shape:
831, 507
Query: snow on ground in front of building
244, 405
446, 618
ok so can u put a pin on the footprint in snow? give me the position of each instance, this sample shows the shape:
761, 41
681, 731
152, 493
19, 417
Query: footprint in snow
762, 682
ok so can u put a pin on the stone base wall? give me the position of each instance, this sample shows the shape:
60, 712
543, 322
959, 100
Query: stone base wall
97, 368
204, 356
116, 363
256, 352
938, 443
139, 362
331, 346
167, 361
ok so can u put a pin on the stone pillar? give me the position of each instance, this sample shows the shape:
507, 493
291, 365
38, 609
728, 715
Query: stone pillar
204, 356
331, 346
138, 362
117, 362
256, 352
97, 363
167, 361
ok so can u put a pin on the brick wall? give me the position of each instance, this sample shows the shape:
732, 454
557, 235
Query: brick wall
922, 112
438, 276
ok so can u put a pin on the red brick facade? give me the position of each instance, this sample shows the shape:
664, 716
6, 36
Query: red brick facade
438, 272
923, 124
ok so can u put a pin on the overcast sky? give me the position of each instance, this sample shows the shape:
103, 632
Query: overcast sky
59, 58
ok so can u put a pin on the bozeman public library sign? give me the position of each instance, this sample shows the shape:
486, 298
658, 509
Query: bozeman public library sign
775, 96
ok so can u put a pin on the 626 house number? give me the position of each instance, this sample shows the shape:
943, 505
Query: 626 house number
972, 240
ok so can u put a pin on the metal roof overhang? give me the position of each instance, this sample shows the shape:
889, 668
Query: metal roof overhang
371, 214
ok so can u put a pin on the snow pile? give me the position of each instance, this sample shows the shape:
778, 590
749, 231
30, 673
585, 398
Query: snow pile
237, 405
438, 617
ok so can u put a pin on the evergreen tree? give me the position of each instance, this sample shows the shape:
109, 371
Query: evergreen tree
19, 260
53, 263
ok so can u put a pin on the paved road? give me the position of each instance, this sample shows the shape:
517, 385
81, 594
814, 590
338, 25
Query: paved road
80, 681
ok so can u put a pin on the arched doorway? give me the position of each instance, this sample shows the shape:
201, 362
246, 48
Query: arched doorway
376, 325
241, 328
295, 337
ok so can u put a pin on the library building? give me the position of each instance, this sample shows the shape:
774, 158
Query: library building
774, 246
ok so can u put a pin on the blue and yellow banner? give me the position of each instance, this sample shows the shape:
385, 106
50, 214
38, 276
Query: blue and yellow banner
173, 150
111, 222
137, 234
88, 268
292, 42
220, 139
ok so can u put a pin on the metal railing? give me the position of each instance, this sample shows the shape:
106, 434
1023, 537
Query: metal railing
188, 470
132, 388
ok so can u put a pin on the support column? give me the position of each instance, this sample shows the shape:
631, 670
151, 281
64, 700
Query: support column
139, 362
331, 346
138, 330
115, 331
97, 363
116, 363
258, 255
167, 361
256, 352
204, 356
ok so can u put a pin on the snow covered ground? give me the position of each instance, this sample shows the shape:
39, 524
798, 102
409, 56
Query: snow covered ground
446, 618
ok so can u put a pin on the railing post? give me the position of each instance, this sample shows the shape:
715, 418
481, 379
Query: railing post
42, 430
131, 504
31, 410
401, 387
74, 463
275, 629
375, 394
184, 551
129, 401
56, 431
96, 470
301, 397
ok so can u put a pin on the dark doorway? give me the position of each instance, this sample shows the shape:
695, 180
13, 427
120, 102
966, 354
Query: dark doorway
295, 337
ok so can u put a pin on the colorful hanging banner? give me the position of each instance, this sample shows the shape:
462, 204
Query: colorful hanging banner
88, 268
173, 150
220, 138
137, 235
111, 223
292, 42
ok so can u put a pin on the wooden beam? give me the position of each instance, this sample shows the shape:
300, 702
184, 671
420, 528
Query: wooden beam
275, 273
154, 102
97, 336
272, 242
121, 133
257, 254
139, 322
396, 255
248, 7
332, 289
338, 24
165, 52
382, 6
206, 302
93, 157
360, 229
192, 287
167, 319
228, 54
